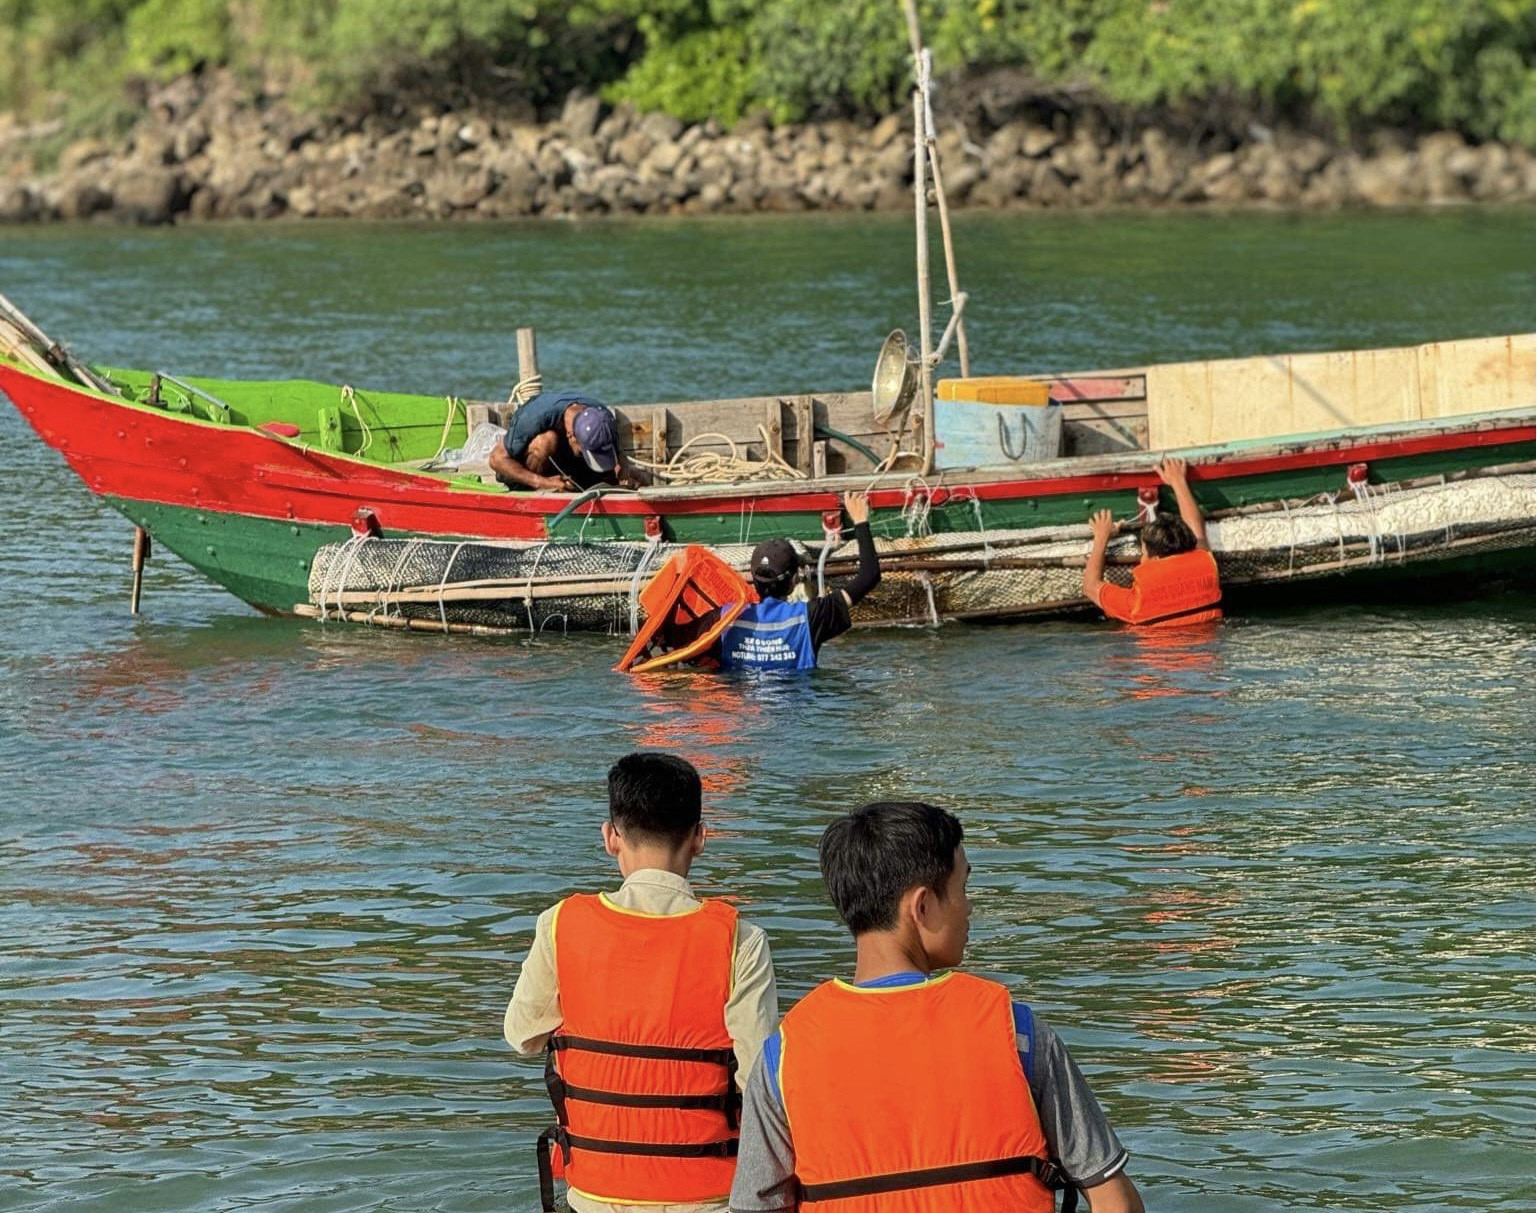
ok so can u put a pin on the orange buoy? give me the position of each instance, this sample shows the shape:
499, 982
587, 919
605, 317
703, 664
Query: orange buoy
693, 598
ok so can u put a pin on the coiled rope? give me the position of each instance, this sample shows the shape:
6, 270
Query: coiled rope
705, 467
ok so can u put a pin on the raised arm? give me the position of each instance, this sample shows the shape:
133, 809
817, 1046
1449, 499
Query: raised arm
1102, 524
868, 575
1171, 470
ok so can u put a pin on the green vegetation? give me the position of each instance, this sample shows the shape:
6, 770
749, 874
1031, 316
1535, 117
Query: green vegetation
1418, 64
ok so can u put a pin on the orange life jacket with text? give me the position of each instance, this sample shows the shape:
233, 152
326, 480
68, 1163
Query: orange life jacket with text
1175, 590
687, 605
912, 1099
642, 1072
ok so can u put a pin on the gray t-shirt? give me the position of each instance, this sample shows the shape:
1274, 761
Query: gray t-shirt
1077, 1134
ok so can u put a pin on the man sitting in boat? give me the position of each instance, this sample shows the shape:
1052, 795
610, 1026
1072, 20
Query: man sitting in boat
1176, 582
561, 440
778, 634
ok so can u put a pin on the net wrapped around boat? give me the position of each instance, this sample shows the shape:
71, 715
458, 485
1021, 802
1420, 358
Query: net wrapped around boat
505, 586
925, 578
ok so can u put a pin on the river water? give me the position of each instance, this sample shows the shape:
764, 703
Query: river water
264, 884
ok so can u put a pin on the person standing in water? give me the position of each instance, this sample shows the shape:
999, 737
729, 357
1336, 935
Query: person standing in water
1176, 582
906, 1089
776, 633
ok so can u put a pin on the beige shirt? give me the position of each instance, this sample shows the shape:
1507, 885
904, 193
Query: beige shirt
752, 1011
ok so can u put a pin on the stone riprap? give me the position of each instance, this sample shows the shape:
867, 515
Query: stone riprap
205, 150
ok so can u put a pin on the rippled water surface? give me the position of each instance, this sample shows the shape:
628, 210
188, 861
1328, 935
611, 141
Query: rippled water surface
264, 884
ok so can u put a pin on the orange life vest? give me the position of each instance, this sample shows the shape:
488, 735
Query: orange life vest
642, 1072
688, 604
911, 1099
1169, 591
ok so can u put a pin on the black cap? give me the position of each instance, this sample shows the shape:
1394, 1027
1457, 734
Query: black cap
773, 560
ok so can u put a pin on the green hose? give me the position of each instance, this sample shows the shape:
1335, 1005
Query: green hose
825, 431
597, 490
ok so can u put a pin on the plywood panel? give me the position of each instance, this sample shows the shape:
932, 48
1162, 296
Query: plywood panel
1200, 403
1477, 376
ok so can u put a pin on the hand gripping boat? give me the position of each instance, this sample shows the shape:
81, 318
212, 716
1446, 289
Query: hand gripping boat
690, 602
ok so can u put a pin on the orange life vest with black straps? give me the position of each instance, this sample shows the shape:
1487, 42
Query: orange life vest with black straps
912, 1099
1168, 591
642, 1072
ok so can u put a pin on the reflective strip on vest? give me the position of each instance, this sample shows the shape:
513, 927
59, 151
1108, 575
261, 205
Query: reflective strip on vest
642, 1071
912, 1098
1176, 590
769, 635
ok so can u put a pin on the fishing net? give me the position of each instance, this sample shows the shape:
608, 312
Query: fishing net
925, 578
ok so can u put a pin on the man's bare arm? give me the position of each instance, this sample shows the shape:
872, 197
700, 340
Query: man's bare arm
526, 471
1171, 470
1103, 526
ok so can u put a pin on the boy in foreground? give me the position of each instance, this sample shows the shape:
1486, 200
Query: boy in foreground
652, 1007
1175, 584
902, 1091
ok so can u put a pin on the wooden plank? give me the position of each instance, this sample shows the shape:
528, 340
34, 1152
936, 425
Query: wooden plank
1097, 387
1107, 410
1476, 376
659, 423
773, 426
1103, 436
819, 459
804, 427
635, 437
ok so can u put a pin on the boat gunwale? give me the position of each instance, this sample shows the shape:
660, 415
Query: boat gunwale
1222, 461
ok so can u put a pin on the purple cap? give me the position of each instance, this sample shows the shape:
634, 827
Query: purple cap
594, 430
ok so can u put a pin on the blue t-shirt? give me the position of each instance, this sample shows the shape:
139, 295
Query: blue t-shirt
543, 415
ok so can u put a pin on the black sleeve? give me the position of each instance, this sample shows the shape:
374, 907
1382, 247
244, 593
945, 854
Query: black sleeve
827, 615
868, 575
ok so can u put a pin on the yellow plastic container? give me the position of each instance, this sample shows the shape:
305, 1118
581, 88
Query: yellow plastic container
994, 389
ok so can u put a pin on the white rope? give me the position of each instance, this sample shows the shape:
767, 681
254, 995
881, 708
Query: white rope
392, 584
1291, 537
342, 565
916, 506
652, 545
711, 467
832, 540
961, 494
525, 390
928, 588
448, 424
443, 586
350, 397
528, 589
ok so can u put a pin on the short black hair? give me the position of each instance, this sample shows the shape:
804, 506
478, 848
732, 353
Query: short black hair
655, 797
1167, 535
877, 853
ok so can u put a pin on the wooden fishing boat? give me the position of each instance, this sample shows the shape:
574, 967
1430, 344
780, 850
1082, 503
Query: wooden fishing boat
306, 498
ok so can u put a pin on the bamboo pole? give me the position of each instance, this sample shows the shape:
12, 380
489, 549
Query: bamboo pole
401, 623
140, 555
925, 337
923, 67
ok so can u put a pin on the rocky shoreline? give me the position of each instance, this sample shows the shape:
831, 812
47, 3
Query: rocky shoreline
206, 150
